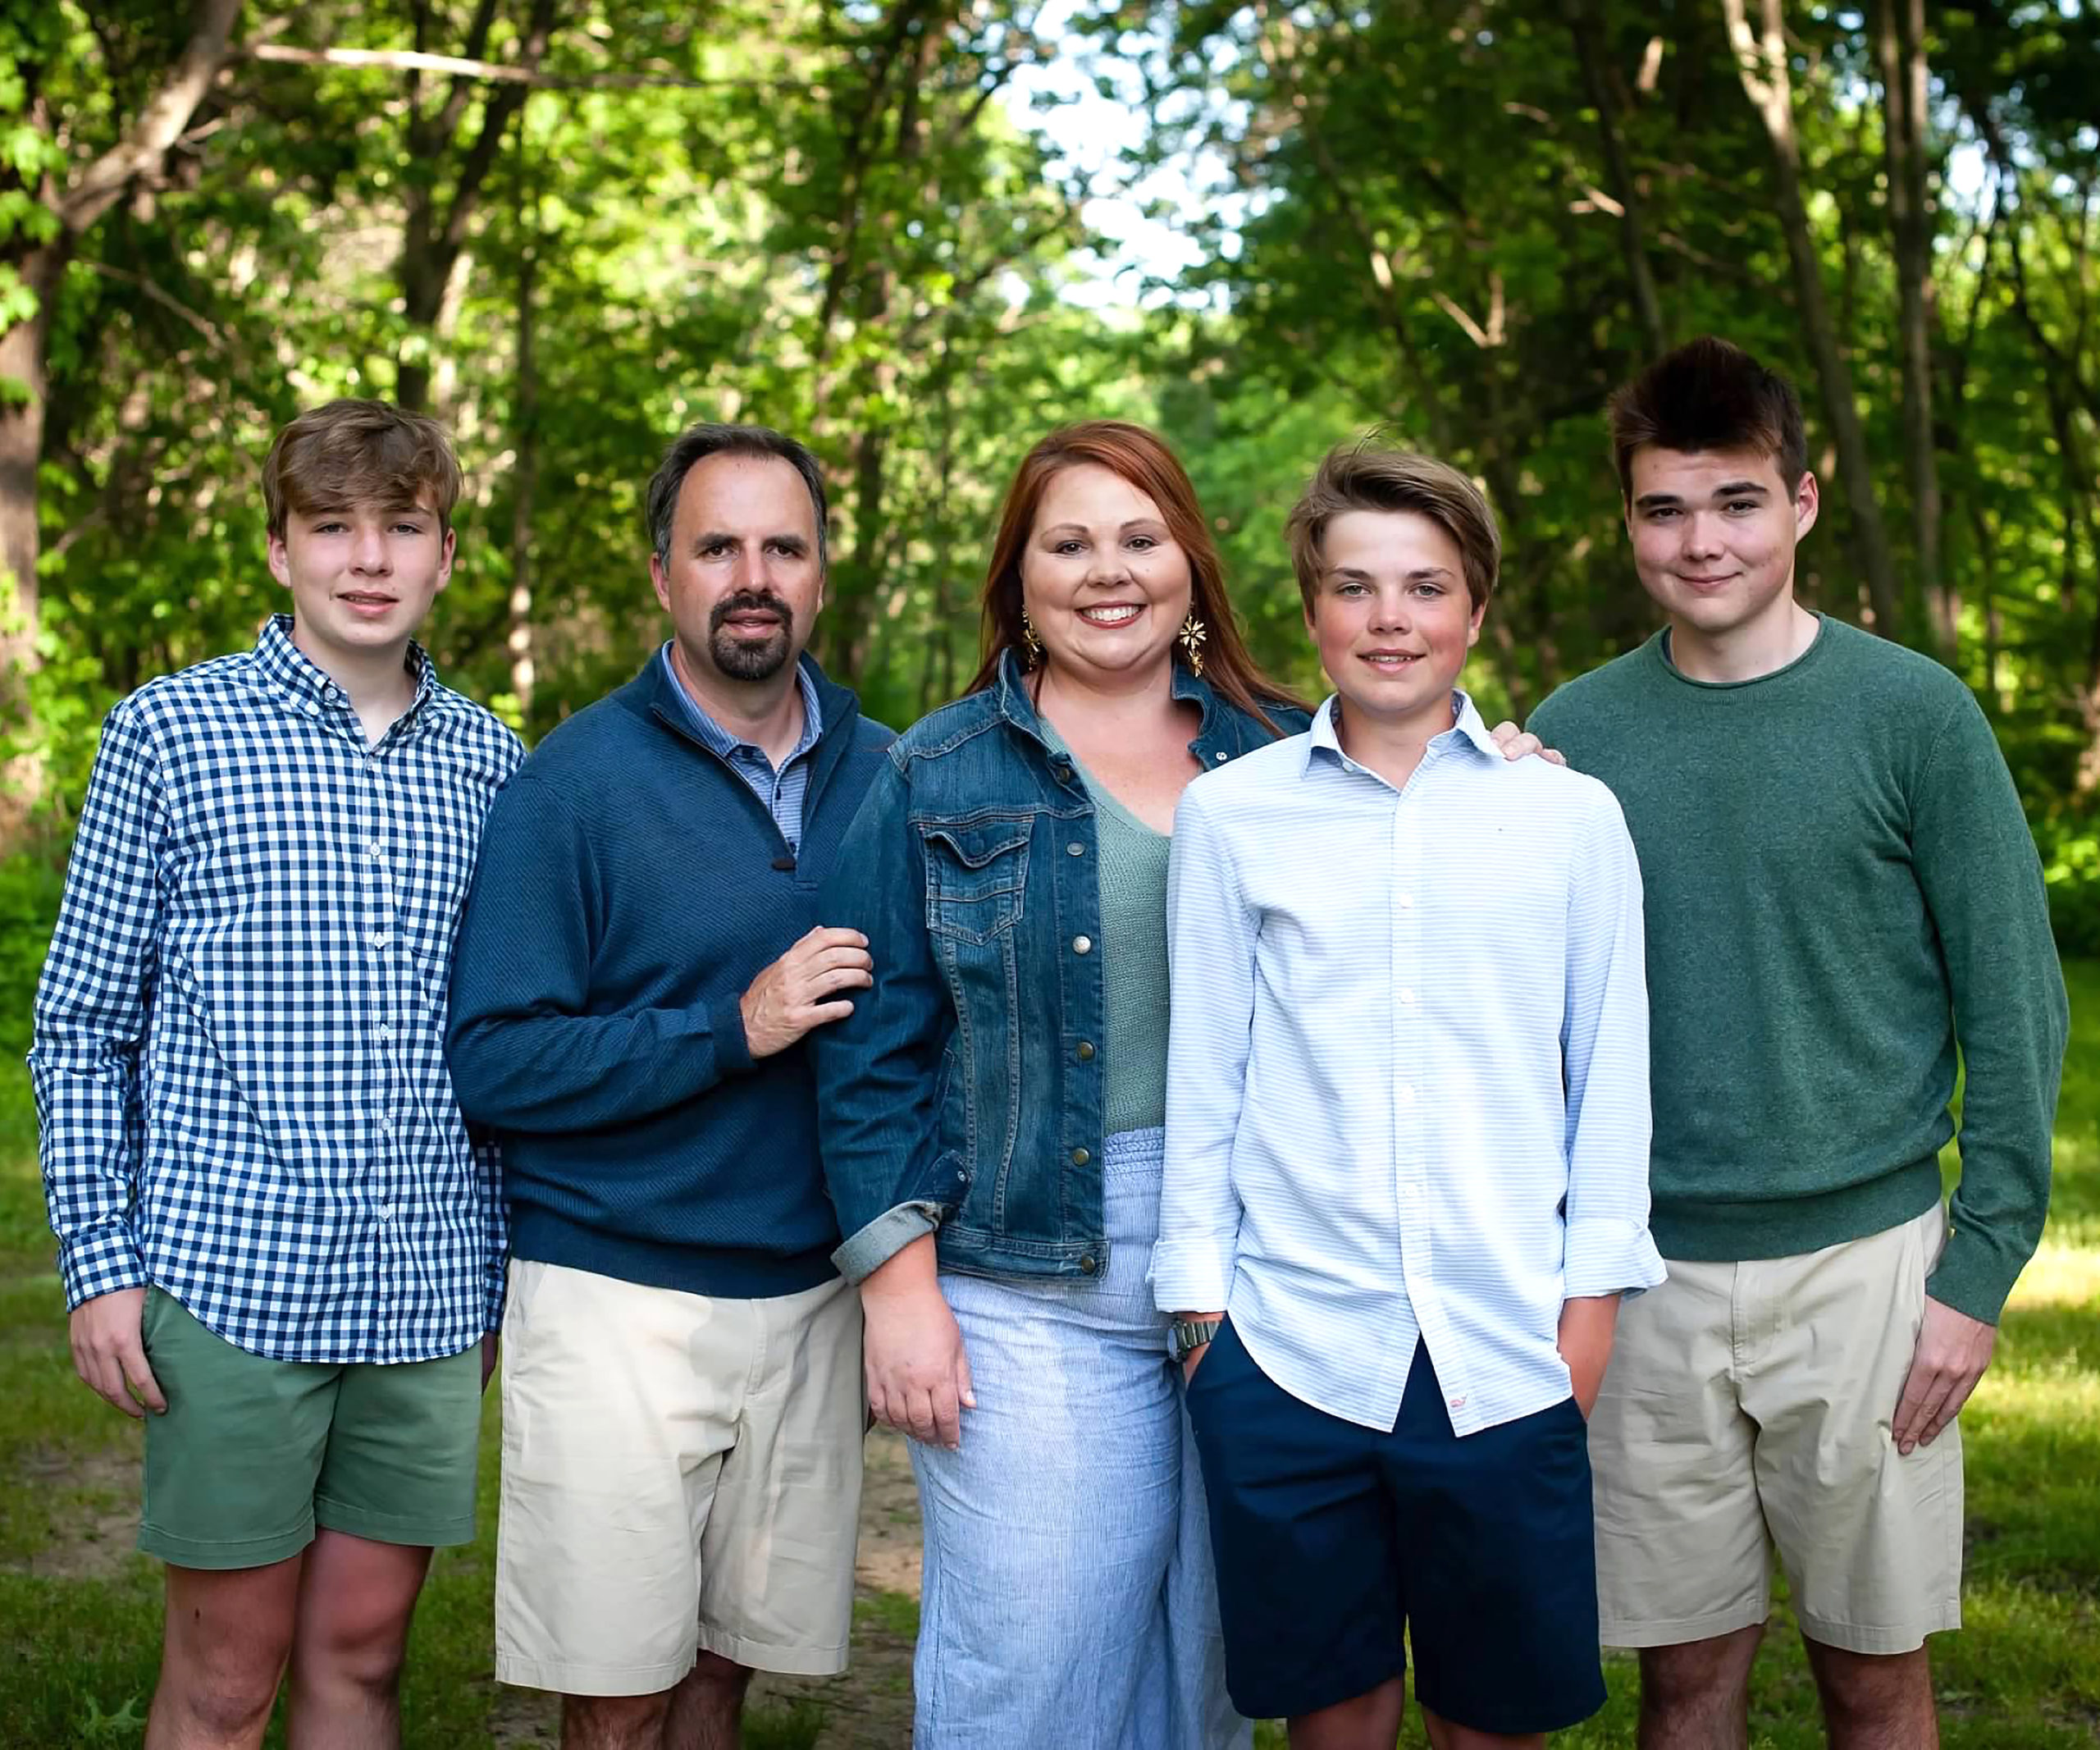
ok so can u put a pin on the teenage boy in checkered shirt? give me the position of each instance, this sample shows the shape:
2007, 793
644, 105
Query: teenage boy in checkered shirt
274, 1232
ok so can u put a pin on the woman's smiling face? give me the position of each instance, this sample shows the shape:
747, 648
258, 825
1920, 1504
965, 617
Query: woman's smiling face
1105, 583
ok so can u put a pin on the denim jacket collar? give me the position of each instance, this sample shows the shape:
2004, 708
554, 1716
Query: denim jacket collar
1222, 732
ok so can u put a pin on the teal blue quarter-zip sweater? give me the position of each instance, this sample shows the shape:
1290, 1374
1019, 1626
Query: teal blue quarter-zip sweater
631, 886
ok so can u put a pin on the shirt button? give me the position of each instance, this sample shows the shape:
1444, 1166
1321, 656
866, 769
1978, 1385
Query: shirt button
1075, 849
380, 939
1087, 1264
1407, 997
386, 1123
1082, 944
1221, 759
375, 848
1404, 1094
385, 1212
1080, 1157
385, 1031
1086, 1051
1404, 900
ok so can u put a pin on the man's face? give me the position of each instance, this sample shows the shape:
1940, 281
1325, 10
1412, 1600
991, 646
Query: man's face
362, 576
743, 584
1391, 616
1714, 533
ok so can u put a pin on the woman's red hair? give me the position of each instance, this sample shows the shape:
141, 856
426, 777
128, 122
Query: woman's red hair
1139, 457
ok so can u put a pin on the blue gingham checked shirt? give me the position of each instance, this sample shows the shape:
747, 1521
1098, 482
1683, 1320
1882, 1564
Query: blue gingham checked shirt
239, 1050
1406, 1087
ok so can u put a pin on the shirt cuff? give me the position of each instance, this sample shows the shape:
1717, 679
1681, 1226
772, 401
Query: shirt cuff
725, 1022
499, 1284
1971, 1278
1609, 1258
100, 1260
861, 1254
1192, 1276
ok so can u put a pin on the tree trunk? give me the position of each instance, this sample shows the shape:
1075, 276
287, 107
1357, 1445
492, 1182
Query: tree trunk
1582, 25
24, 360
523, 477
1899, 44
431, 242
1761, 63
23, 366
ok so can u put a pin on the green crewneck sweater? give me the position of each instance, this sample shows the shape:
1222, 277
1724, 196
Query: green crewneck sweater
1838, 881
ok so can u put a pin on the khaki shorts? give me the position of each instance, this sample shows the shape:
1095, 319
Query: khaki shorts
678, 1472
253, 1454
1748, 1405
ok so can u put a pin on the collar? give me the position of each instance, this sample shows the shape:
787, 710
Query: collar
720, 739
1019, 709
1465, 729
292, 673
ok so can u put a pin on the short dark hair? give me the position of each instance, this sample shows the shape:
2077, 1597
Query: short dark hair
1367, 476
697, 443
350, 452
1708, 395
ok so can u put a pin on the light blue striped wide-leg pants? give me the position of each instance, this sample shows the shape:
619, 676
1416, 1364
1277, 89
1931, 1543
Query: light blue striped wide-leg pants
1069, 1601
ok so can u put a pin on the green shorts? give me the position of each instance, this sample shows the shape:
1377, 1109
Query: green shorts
252, 1454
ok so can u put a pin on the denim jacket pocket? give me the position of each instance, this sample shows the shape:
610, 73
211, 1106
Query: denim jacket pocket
975, 876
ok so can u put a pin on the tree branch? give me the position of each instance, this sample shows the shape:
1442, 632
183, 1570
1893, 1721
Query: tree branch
159, 125
402, 60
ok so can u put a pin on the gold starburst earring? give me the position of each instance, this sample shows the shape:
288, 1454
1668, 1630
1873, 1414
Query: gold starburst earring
1193, 632
1031, 641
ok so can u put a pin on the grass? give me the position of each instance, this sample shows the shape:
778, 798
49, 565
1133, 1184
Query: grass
80, 1613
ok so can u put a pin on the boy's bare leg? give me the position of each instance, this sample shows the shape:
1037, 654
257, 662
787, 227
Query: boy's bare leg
228, 1634
1876, 1700
1369, 1721
355, 1600
1444, 1735
1696, 1695
614, 1722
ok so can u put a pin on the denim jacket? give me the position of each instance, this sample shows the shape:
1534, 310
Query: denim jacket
964, 1093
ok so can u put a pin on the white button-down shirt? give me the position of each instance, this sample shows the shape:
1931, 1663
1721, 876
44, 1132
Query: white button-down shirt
1407, 1069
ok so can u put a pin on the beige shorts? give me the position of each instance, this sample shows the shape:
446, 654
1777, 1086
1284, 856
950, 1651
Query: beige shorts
678, 1472
1748, 1405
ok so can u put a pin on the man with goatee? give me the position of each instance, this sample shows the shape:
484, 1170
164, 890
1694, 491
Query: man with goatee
641, 958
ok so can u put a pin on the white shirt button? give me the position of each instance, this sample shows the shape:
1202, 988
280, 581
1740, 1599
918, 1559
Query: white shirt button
385, 1031
385, 1212
380, 939
375, 848
1221, 759
386, 1123
1407, 997
1405, 902
1082, 944
1403, 1095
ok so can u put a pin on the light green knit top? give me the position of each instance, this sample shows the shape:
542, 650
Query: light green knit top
1132, 871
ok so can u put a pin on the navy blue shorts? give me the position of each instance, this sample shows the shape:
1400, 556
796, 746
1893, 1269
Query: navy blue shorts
1333, 1539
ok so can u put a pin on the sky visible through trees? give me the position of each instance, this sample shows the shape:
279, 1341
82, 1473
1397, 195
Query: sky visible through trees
568, 226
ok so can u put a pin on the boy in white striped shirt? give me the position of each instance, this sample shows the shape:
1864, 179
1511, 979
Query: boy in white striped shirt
1407, 1137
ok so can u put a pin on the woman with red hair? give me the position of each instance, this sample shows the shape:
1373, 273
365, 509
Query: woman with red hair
991, 1112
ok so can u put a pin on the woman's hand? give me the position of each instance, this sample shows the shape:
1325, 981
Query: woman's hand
918, 1376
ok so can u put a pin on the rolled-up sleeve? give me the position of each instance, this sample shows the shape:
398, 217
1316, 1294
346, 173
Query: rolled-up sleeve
1604, 1043
1210, 945
878, 1069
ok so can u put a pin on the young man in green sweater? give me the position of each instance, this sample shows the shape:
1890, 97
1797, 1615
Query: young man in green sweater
1840, 887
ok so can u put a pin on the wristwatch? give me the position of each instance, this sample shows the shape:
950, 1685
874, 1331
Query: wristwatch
1184, 1335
